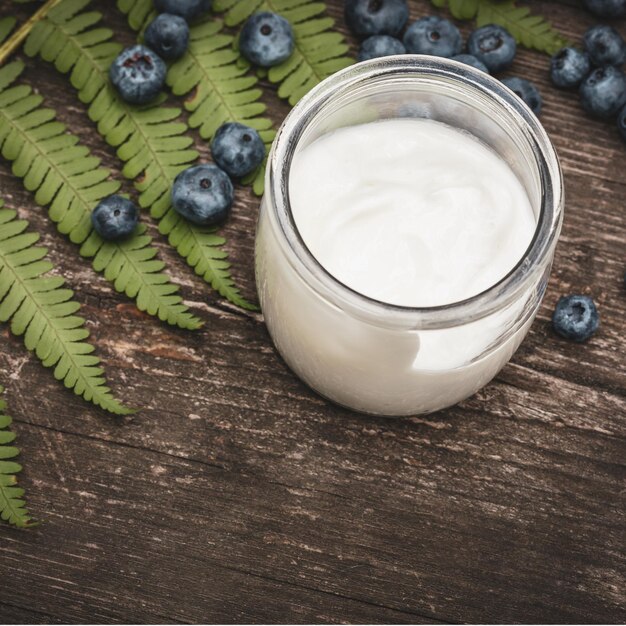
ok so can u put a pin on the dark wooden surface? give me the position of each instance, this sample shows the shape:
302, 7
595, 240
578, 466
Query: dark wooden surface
238, 495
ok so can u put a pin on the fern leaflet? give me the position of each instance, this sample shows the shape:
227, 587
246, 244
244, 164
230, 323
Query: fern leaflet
12, 505
152, 144
319, 50
461, 9
6, 26
43, 312
138, 12
63, 175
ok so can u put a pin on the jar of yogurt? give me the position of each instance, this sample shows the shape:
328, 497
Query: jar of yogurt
409, 222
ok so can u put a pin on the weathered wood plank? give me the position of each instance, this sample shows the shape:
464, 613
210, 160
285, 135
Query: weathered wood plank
200, 522
21, 615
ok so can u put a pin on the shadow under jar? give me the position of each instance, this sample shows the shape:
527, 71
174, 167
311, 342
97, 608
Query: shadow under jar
377, 357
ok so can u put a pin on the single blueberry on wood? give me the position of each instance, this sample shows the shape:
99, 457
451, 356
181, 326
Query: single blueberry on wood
138, 74
605, 46
168, 36
237, 149
575, 317
266, 39
493, 45
115, 218
569, 67
376, 17
433, 35
525, 90
606, 8
187, 9
378, 46
603, 92
203, 194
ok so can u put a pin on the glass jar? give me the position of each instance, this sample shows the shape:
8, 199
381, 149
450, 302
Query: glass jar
376, 357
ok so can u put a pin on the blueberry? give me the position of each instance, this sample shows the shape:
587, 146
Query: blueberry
603, 92
380, 46
493, 45
607, 8
237, 149
114, 218
138, 74
525, 90
203, 194
168, 36
569, 67
187, 9
605, 46
266, 39
433, 35
470, 59
575, 317
376, 17
621, 123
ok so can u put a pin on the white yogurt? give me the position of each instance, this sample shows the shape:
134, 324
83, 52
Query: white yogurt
410, 212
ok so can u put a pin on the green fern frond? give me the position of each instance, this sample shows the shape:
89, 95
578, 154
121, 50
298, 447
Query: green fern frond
201, 247
148, 139
64, 176
6, 26
220, 90
319, 51
43, 312
532, 31
12, 505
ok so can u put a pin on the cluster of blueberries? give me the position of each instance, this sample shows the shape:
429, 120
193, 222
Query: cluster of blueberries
138, 73
597, 72
203, 194
490, 48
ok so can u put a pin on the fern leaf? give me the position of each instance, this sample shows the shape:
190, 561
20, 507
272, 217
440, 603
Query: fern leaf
530, 30
12, 505
464, 9
43, 312
6, 26
64, 176
152, 144
138, 12
220, 91
319, 51
201, 247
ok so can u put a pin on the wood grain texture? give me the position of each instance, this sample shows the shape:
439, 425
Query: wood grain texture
238, 495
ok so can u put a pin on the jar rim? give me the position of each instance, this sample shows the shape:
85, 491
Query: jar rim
495, 297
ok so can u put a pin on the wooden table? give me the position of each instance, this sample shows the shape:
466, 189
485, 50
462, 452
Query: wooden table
238, 495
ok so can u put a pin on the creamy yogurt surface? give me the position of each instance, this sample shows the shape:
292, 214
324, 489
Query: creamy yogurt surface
410, 212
